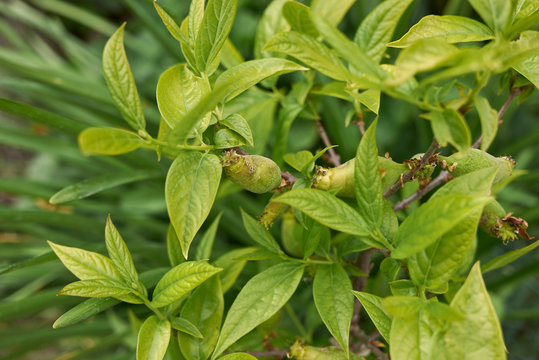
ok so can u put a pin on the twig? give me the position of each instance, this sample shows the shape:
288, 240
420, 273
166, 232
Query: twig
409, 175
441, 178
366, 341
334, 158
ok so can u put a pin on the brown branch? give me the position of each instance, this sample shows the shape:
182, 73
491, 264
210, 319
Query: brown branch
334, 158
410, 175
441, 178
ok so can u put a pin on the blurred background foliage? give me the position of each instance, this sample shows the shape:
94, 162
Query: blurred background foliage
51, 87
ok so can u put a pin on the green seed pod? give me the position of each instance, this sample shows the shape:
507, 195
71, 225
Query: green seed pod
342, 177
254, 173
291, 234
474, 159
497, 223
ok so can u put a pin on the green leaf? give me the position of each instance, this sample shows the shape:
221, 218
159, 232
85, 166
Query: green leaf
232, 266
226, 138
376, 30
196, 16
507, 258
120, 80
86, 265
373, 306
333, 14
489, 121
216, 24
370, 98
238, 356
245, 75
271, 22
120, 255
187, 327
326, 209
497, 14
205, 246
153, 339
334, 301
402, 306
237, 123
348, 50
298, 16
108, 141
412, 336
449, 126
403, 287
435, 218
97, 184
258, 233
170, 24
479, 335
529, 66
204, 309
180, 280
190, 190
262, 296
448, 28
174, 250
96, 288
311, 52
367, 179
178, 92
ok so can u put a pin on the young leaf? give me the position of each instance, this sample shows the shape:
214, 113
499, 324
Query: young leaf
180, 280
237, 123
402, 306
368, 182
326, 209
529, 66
507, 258
108, 141
216, 24
187, 327
120, 80
170, 24
153, 339
334, 301
411, 336
196, 16
96, 288
270, 23
178, 92
376, 30
449, 126
259, 299
257, 232
448, 28
435, 218
204, 309
86, 265
373, 306
205, 246
119, 254
298, 16
333, 14
496, 13
190, 189
489, 121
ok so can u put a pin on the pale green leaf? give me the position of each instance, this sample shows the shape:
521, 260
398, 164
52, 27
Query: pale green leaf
489, 121
376, 30
190, 189
258, 233
180, 280
96, 288
367, 179
178, 92
153, 339
332, 293
525, 8
196, 16
326, 209
450, 127
448, 28
86, 265
529, 66
204, 309
403, 287
170, 24
370, 98
373, 306
298, 16
497, 14
237, 123
402, 306
108, 141
119, 254
120, 80
412, 336
203, 251
434, 218
330, 11
271, 22
214, 29
262, 296
187, 327
230, 55
226, 139
508, 258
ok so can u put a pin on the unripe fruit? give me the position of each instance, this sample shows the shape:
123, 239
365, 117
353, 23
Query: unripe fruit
475, 159
342, 177
254, 173
291, 234
497, 223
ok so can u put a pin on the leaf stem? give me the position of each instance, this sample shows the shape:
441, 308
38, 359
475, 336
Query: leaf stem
151, 140
149, 305
334, 158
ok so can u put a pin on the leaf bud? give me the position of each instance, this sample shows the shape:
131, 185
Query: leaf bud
254, 173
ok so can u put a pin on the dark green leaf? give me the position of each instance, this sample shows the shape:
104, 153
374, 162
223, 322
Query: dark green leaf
258, 233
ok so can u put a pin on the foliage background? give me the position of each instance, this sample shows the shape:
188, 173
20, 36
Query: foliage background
50, 53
